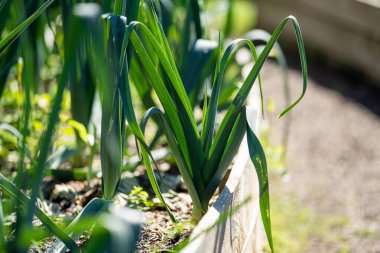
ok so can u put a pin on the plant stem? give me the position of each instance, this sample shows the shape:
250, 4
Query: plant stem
119, 8
197, 214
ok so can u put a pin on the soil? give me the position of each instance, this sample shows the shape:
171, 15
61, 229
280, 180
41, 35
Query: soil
333, 155
159, 232
67, 199
70, 197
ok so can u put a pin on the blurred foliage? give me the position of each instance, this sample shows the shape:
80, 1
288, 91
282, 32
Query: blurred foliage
296, 226
276, 153
216, 16
140, 200
10, 106
49, 32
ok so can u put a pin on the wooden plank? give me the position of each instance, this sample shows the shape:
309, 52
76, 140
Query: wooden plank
355, 15
351, 15
237, 231
358, 15
356, 49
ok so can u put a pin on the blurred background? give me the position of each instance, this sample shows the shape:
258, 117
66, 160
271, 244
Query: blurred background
324, 159
325, 194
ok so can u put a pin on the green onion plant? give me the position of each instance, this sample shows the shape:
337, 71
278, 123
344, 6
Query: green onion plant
203, 156
82, 85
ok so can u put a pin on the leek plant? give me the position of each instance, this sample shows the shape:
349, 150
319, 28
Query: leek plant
117, 102
204, 156
194, 55
82, 85
193, 52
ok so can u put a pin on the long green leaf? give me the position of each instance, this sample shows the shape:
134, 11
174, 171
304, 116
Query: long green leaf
208, 132
4, 43
148, 166
239, 100
10, 189
167, 61
113, 116
258, 35
184, 171
170, 107
116, 231
197, 66
277, 53
257, 155
91, 213
119, 8
232, 147
196, 11
266, 51
2, 230
123, 90
46, 142
183, 103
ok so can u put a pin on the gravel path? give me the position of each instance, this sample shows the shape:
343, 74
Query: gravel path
333, 156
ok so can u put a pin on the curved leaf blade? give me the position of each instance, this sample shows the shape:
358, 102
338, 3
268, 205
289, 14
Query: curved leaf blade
89, 214
148, 166
208, 131
7, 41
184, 170
240, 98
257, 155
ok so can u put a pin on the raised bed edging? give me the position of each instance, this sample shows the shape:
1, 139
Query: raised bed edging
345, 32
242, 231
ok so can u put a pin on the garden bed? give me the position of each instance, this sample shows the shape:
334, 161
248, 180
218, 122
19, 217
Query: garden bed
232, 223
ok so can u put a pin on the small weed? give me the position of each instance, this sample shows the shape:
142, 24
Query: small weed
364, 232
139, 199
